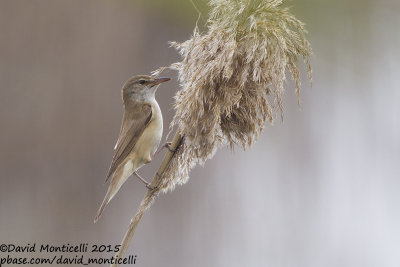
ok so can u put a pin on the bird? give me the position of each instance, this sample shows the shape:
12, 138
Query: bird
140, 133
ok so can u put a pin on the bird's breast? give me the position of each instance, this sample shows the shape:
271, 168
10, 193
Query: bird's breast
150, 139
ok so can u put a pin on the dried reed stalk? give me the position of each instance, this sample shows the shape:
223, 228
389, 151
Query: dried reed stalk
149, 197
231, 79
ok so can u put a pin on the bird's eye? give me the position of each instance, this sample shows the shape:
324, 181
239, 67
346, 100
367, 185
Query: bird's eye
142, 81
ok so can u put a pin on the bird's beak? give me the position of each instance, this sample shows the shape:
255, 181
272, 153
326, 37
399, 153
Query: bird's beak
159, 80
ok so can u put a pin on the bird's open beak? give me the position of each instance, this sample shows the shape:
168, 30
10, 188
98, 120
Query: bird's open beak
159, 80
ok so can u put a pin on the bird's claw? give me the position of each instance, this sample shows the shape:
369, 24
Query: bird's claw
150, 187
168, 146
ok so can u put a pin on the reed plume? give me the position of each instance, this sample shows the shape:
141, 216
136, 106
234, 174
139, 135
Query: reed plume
232, 79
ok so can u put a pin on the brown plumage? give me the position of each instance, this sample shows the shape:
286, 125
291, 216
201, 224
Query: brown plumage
232, 79
133, 124
140, 133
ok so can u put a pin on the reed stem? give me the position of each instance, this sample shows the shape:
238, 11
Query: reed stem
149, 197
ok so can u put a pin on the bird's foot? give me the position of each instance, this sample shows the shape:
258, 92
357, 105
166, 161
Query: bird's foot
150, 187
142, 179
166, 145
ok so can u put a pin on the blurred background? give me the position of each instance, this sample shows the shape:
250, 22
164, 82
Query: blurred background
320, 188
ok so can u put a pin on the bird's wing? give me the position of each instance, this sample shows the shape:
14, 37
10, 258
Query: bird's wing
133, 125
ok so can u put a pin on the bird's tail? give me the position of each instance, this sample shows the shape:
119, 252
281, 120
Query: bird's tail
106, 199
118, 179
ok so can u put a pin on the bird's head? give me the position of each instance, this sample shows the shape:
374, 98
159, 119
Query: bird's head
141, 88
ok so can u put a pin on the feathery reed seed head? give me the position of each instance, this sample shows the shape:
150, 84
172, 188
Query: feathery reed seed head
232, 78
